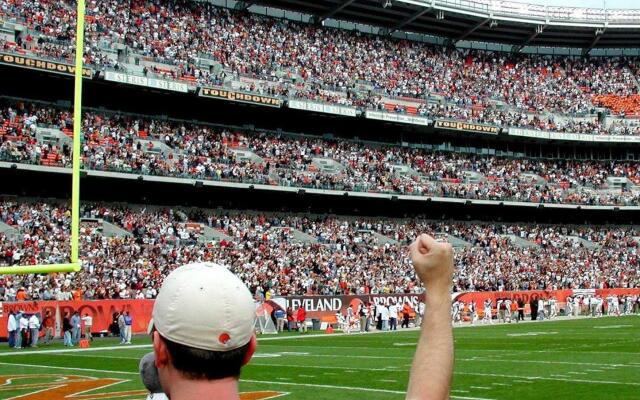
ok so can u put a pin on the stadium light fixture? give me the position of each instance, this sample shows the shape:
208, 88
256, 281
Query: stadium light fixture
74, 265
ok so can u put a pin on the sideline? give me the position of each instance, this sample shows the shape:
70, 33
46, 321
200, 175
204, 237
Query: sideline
315, 335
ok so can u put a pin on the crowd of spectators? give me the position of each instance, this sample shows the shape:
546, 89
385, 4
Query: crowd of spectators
344, 256
314, 62
121, 143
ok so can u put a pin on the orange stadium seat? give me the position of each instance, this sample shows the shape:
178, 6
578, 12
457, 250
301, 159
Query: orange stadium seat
629, 105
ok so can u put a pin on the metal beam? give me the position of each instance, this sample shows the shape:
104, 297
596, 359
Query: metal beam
598, 35
410, 19
243, 5
471, 30
538, 31
334, 11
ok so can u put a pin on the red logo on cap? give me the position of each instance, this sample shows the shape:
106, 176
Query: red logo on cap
224, 338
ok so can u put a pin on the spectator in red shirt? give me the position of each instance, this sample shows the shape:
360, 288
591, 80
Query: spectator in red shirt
302, 316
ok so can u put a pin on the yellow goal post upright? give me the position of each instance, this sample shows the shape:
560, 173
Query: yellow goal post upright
74, 264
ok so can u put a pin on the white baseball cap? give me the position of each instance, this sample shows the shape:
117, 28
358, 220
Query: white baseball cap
205, 306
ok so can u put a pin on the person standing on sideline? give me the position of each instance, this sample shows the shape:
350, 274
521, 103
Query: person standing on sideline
34, 329
393, 317
487, 312
280, 319
87, 320
12, 327
521, 309
384, 316
18, 342
541, 309
406, 313
474, 312
302, 320
378, 315
24, 330
66, 329
514, 311
362, 314
432, 367
75, 328
128, 323
419, 313
291, 320
533, 305
48, 323
121, 326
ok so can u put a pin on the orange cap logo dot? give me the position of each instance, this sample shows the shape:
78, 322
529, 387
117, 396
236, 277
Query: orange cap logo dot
224, 338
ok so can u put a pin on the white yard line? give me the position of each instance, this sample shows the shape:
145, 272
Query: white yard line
502, 360
71, 368
542, 378
474, 359
73, 350
360, 389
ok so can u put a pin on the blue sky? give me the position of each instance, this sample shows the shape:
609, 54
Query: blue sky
586, 3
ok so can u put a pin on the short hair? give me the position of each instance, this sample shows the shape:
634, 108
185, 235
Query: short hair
199, 364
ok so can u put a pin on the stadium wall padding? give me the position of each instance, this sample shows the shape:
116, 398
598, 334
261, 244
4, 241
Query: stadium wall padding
317, 307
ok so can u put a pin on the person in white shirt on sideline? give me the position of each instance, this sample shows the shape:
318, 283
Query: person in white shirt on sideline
393, 317
507, 303
34, 329
553, 308
487, 312
474, 312
12, 327
23, 323
384, 317
541, 309
419, 314
87, 321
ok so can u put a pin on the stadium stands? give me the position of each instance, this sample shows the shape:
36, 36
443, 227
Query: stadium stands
198, 43
134, 144
341, 254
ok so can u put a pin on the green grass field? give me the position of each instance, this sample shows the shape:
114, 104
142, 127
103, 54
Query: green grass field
579, 359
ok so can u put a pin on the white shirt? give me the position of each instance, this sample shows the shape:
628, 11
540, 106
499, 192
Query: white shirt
24, 323
384, 312
12, 325
34, 323
88, 321
393, 311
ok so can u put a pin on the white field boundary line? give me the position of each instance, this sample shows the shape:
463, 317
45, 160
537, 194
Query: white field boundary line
361, 389
398, 369
526, 378
474, 359
542, 378
317, 385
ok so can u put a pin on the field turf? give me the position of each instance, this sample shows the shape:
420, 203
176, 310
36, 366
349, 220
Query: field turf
580, 359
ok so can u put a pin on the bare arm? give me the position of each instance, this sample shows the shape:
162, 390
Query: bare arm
433, 362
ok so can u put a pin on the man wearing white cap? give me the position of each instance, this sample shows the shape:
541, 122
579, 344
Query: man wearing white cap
202, 330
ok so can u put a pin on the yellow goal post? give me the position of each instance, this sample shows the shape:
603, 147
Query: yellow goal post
74, 264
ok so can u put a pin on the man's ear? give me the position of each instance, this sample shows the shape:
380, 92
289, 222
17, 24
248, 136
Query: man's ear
253, 345
160, 350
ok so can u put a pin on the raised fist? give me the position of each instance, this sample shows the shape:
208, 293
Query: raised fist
433, 262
